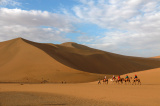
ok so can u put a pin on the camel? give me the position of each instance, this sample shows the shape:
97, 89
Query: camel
120, 80
113, 80
128, 80
136, 80
105, 81
117, 80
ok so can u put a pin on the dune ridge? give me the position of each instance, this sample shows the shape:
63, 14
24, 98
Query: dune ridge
26, 61
156, 57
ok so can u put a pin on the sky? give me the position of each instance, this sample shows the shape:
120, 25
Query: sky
127, 27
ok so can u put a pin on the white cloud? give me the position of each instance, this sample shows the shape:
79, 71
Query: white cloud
9, 2
35, 25
84, 38
32, 33
134, 25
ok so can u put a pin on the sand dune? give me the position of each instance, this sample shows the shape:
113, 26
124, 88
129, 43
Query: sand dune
148, 76
26, 61
156, 57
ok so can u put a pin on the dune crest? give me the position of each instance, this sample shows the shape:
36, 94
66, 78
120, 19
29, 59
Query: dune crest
26, 61
156, 57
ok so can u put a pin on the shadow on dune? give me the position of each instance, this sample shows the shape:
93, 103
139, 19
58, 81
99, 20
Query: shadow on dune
96, 61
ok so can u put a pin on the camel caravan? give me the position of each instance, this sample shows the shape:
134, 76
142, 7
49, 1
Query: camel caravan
119, 80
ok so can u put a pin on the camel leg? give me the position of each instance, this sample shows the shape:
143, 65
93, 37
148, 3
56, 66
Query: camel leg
129, 82
139, 82
134, 82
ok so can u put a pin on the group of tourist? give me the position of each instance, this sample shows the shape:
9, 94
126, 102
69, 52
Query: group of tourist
126, 78
119, 79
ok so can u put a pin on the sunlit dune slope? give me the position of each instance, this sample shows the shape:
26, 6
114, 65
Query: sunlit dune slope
156, 57
148, 76
26, 61
23, 62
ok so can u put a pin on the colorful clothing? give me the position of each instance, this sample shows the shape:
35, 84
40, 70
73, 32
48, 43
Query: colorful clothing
113, 78
135, 78
119, 78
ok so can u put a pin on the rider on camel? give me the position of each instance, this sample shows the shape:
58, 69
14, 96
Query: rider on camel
113, 77
135, 77
126, 77
119, 77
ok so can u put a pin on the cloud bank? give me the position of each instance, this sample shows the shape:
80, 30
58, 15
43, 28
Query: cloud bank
133, 26
9, 2
35, 25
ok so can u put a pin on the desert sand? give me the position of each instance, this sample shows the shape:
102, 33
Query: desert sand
22, 60
79, 94
147, 77
156, 57
24, 65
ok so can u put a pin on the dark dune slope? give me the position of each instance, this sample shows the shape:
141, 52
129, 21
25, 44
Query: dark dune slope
26, 61
86, 59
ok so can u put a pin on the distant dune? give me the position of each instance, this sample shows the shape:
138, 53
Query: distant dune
22, 60
148, 76
156, 57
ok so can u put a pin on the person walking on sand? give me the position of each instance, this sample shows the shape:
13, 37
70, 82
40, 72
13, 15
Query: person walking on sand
99, 81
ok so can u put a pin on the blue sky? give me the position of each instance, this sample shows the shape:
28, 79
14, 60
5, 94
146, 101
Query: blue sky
48, 5
128, 27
